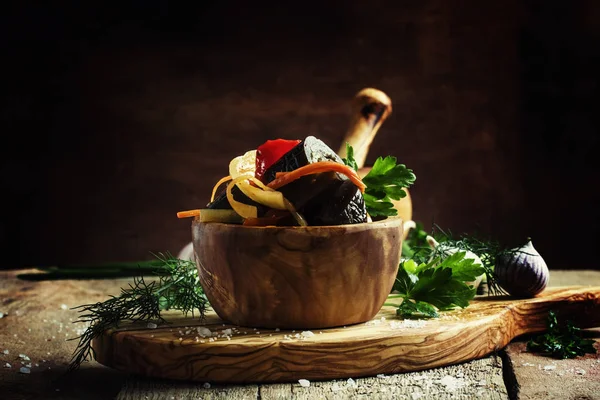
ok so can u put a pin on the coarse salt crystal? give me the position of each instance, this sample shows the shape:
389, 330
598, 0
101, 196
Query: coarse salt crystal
24, 370
304, 382
206, 385
351, 382
151, 325
307, 334
335, 387
203, 331
24, 357
382, 376
277, 329
1, 315
549, 367
451, 383
7, 365
227, 332
5, 351
579, 371
64, 306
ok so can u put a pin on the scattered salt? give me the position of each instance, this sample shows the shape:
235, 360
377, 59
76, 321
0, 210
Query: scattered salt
382, 376
1, 315
451, 383
203, 331
227, 332
5, 351
24, 357
206, 385
549, 367
307, 334
527, 364
335, 387
304, 382
24, 370
407, 323
64, 306
351, 382
7, 365
151, 325
579, 371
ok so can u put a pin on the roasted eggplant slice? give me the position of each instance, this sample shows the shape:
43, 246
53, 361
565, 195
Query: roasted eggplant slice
341, 203
308, 151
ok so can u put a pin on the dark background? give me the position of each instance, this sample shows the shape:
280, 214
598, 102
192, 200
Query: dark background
116, 117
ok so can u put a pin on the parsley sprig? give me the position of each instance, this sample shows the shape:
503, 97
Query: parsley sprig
438, 285
385, 182
561, 341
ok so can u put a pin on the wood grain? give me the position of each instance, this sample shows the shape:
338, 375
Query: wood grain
381, 346
292, 277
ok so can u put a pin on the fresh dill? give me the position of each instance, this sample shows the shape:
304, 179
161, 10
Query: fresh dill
176, 288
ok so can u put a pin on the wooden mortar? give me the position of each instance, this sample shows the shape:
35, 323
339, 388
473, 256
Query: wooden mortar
297, 277
370, 108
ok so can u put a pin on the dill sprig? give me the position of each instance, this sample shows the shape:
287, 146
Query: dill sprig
178, 289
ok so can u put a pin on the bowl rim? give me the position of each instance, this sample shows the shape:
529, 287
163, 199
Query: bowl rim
390, 221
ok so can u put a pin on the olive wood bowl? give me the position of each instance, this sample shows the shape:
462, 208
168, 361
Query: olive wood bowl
297, 277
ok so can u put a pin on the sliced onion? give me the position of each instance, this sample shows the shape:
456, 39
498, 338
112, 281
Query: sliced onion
221, 181
244, 210
243, 165
263, 195
270, 198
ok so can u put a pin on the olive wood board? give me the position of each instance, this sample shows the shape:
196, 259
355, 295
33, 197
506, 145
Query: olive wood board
384, 345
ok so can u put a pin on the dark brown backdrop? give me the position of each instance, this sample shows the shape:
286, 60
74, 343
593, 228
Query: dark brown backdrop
120, 116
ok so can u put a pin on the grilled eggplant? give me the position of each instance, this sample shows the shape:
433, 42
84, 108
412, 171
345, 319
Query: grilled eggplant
327, 198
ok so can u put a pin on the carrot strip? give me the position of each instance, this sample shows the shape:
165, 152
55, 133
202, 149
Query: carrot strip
188, 214
315, 168
221, 181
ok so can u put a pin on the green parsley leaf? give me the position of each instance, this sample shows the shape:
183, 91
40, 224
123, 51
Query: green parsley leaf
463, 269
416, 309
435, 285
561, 341
349, 160
385, 182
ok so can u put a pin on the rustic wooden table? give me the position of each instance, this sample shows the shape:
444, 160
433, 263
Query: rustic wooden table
37, 322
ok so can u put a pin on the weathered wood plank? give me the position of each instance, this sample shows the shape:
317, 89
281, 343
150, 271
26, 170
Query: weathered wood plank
481, 378
148, 389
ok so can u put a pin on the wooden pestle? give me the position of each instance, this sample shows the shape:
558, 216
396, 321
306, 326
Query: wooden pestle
370, 108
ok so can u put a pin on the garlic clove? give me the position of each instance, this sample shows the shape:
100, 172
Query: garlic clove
522, 272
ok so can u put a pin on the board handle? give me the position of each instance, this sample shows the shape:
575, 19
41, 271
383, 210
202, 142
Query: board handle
370, 108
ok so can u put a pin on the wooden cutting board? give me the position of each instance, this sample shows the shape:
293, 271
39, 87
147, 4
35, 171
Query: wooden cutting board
385, 345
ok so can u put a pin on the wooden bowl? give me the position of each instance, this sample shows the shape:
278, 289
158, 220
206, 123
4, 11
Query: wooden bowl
297, 277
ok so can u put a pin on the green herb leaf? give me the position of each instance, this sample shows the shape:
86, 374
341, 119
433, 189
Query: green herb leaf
463, 269
438, 284
561, 341
416, 309
385, 182
349, 160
